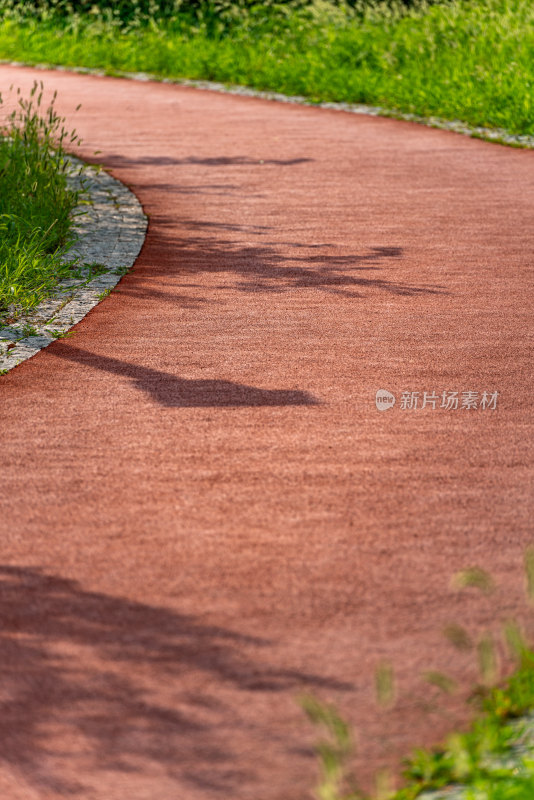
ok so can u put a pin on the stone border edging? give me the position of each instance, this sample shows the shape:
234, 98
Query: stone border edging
497, 135
111, 233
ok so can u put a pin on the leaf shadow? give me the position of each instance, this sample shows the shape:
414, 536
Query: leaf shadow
75, 689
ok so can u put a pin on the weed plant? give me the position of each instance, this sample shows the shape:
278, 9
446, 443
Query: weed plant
36, 204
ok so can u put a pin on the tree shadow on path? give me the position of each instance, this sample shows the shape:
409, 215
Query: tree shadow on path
178, 246
169, 390
98, 671
116, 160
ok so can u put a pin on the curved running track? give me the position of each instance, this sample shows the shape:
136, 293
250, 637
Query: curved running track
203, 512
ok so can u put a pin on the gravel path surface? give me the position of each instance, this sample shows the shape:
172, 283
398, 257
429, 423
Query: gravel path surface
203, 512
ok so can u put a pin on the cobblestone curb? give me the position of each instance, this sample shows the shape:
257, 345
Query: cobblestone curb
111, 230
498, 135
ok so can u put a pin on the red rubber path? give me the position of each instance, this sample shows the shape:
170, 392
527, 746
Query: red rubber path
203, 513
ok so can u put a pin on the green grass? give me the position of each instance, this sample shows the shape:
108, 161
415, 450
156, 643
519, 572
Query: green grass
482, 760
36, 204
471, 60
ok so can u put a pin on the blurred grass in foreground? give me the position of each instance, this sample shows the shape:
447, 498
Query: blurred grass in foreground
493, 760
